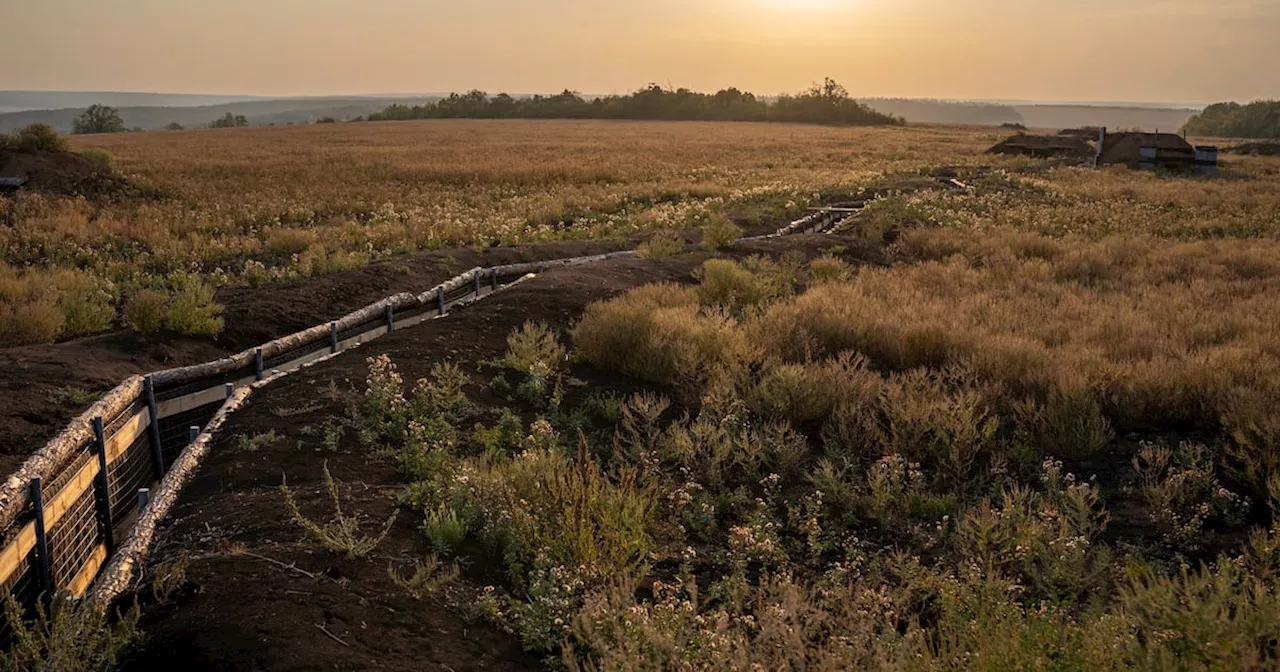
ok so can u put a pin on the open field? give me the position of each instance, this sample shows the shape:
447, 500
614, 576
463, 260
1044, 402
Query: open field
1025, 421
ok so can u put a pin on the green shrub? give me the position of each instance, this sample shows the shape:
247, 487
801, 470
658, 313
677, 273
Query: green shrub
72, 636
38, 137
720, 232
806, 393
100, 156
38, 320
534, 350
192, 311
146, 310
87, 303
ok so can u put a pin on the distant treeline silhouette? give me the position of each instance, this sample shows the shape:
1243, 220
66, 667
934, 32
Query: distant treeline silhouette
1259, 119
826, 104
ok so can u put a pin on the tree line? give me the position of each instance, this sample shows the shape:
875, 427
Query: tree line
1259, 119
828, 103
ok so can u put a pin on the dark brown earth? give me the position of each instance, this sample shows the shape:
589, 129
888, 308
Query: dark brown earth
1044, 146
66, 174
241, 611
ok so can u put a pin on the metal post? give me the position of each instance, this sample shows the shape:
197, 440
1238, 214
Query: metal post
542, 267
102, 489
192, 433
45, 565
144, 498
257, 355
440, 300
475, 278
230, 389
493, 278
391, 319
333, 337
157, 450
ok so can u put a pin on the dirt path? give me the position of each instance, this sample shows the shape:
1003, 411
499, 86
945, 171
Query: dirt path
243, 612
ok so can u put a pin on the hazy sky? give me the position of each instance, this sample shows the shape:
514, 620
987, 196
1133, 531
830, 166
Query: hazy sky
1094, 50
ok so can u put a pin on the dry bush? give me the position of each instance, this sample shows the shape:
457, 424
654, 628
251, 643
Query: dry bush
1070, 425
807, 393
71, 635
661, 245
720, 232
828, 268
660, 333
724, 283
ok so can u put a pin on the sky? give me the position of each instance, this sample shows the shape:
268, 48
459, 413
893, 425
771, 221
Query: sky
1051, 50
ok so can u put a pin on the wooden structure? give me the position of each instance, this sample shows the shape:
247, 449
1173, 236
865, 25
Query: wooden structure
1149, 151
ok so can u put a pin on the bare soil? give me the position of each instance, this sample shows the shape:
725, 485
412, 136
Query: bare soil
241, 611
66, 174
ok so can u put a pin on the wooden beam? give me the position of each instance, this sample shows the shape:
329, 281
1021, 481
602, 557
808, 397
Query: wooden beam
84, 578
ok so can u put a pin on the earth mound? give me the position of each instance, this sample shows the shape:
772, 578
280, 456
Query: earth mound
1044, 146
63, 174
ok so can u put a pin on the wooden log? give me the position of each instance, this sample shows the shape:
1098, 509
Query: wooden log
49, 460
450, 285
130, 556
122, 567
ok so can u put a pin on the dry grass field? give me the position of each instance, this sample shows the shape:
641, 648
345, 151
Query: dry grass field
1025, 422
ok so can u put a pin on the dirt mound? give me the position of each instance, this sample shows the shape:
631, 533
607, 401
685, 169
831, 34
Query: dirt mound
64, 174
1086, 132
1044, 146
1257, 149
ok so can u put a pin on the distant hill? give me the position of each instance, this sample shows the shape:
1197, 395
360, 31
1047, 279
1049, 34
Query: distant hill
1052, 116
20, 101
258, 112
945, 112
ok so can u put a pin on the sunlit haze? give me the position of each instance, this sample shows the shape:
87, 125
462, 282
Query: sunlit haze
1086, 50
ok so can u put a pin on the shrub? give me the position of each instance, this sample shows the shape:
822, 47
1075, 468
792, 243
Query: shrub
87, 303
720, 232
725, 283
146, 310
285, 242
1070, 425
342, 533
806, 393
659, 333
99, 156
661, 245
38, 137
827, 268
192, 311
534, 350
77, 636
941, 421
36, 321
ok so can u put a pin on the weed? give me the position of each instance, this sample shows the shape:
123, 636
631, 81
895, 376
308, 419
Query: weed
169, 578
429, 576
72, 396
342, 533
251, 444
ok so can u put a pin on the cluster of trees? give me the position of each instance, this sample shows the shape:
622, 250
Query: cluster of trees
1260, 119
828, 103
98, 119
230, 120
